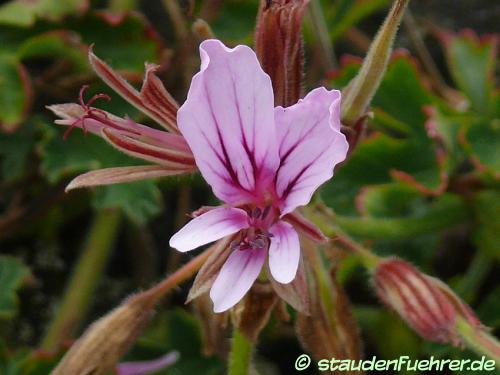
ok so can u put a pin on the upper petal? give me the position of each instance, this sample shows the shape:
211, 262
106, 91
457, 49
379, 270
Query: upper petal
210, 226
284, 252
228, 122
236, 277
310, 145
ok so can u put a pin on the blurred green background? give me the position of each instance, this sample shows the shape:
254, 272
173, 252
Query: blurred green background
422, 184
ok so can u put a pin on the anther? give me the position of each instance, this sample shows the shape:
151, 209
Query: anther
256, 213
266, 212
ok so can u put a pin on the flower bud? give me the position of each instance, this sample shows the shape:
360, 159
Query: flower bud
360, 91
278, 44
109, 338
428, 305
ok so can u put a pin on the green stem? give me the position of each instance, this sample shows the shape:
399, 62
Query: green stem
323, 219
435, 219
479, 340
241, 353
86, 275
479, 268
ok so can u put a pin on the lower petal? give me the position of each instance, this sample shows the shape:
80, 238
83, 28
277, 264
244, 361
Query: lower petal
284, 252
236, 277
211, 226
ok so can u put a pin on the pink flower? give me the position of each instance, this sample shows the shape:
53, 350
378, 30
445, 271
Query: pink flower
147, 367
263, 162
165, 148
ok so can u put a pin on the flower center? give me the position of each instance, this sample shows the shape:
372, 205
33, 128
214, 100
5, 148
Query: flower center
257, 236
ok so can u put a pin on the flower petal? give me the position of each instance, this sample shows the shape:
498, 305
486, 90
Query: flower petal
154, 152
284, 252
209, 227
147, 367
118, 175
153, 100
310, 145
236, 277
228, 122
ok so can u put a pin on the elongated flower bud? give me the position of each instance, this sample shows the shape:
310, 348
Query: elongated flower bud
109, 338
429, 306
360, 91
278, 44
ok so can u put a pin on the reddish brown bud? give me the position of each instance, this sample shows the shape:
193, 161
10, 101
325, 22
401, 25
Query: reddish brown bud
429, 306
278, 44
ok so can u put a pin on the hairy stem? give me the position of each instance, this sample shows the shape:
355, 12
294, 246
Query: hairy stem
359, 93
479, 340
86, 275
241, 353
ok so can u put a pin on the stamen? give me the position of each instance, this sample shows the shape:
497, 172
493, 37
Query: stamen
266, 212
256, 213
258, 243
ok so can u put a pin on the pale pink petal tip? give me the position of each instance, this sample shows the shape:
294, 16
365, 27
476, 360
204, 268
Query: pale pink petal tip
209, 227
228, 122
284, 252
310, 145
147, 367
236, 277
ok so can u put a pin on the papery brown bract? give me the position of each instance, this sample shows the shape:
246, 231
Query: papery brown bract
107, 340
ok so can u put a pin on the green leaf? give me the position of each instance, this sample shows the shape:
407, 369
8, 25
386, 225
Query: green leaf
483, 143
139, 200
402, 144
486, 206
346, 13
403, 96
25, 13
59, 44
390, 200
445, 211
80, 153
12, 274
125, 43
15, 150
234, 22
372, 162
15, 92
472, 65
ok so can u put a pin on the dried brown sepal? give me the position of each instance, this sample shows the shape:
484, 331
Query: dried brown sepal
330, 331
103, 344
214, 327
296, 293
207, 274
279, 47
252, 313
